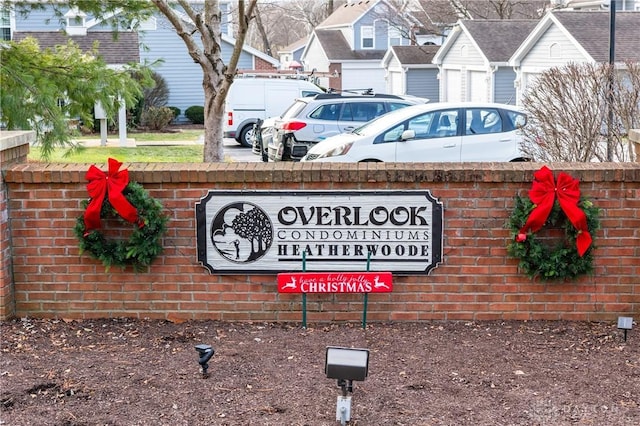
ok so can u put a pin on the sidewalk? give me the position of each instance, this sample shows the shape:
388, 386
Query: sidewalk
132, 143
111, 142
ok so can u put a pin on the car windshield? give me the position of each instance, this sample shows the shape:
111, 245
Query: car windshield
380, 123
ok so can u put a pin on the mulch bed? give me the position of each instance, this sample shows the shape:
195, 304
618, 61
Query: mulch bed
144, 372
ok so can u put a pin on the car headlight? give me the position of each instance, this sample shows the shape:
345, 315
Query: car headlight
337, 151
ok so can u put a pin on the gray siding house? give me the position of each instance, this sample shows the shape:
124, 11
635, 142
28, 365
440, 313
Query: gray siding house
163, 47
115, 52
156, 42
410, 71
347, 48
599, 4
574, 36
474, 60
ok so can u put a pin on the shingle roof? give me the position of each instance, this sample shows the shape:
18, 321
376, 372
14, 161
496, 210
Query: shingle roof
123, 50
520, 9
591, 30
298, 44
441, 12
499, 38
336, 47
408, 55
348, 13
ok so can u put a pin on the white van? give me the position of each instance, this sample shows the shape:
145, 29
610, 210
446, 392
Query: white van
253, 98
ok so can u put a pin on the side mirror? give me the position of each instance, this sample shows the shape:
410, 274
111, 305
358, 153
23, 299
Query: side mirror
408, 134
520, 121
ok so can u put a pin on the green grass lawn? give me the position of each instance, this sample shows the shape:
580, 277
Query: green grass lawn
161, 153
140, 154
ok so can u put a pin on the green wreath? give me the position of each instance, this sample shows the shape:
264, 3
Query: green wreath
144, 244
561, 262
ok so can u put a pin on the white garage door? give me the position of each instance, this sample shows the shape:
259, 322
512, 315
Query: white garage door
364, 79
452, 86
477, 87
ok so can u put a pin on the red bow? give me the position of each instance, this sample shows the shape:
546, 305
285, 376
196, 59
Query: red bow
543, 194
101, 184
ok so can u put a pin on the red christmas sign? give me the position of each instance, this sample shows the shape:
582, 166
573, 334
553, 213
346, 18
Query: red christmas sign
335, 282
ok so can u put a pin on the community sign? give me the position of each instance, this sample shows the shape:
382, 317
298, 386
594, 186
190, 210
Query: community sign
241, 232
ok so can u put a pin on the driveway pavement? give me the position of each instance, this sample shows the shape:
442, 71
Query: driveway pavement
239, 153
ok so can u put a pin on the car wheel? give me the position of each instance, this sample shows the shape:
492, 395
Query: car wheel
246, 136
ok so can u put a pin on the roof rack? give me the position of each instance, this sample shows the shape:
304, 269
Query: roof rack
355, 93
270, 74
368, 91
281, 74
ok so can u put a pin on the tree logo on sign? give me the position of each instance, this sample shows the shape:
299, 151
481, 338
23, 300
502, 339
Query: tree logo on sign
241, 232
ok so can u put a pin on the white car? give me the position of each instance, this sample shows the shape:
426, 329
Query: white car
438, 132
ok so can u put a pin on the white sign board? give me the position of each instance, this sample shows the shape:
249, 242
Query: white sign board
280, 231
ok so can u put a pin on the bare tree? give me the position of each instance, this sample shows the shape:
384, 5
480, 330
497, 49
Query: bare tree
263, 33
218, 76
626, 107
568, 107
501, 9
436, 17
285, 22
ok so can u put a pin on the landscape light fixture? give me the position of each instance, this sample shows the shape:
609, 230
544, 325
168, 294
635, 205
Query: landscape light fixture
346, 365
626, 324
205, 352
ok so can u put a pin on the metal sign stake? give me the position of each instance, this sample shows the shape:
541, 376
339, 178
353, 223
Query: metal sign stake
366, 296
304, 295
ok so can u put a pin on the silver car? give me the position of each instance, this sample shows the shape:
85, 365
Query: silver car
262, 135
312, 119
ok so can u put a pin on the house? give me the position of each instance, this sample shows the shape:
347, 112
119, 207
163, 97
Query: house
597, 4
410, 71
349, 45
562, 37
160, 45
291, 55
156, 43
115, 52
473, 61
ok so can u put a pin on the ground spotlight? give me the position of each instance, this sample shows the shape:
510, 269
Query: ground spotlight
205, 352
626, 324
346, 365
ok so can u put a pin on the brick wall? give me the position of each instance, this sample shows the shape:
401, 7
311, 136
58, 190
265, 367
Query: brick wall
262, 65
14, 147
475, 281
6, 285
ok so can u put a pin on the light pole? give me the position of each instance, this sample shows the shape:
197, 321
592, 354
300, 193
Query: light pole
612, 60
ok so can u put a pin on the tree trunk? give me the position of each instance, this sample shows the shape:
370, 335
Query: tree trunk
213, 118
217, 77
263, 33
330, 7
